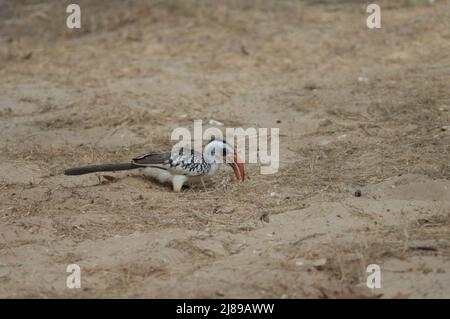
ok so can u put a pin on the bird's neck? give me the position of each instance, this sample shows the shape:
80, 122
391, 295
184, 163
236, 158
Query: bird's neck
214, 168
213, 151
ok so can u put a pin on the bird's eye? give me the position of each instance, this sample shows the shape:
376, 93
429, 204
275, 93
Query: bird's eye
213, 152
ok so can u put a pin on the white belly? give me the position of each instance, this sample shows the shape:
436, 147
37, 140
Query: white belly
164, 176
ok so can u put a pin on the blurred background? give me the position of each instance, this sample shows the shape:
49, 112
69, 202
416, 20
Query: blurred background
364, 143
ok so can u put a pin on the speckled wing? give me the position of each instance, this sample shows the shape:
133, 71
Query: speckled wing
179, 161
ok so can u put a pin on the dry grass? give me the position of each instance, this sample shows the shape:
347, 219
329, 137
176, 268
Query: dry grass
139, 69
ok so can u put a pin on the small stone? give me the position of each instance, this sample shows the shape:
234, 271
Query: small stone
311, 86
358, 193
363, 79
27, 55
319, 262
214, 122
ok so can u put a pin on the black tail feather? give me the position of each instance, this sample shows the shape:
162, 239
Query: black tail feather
100, 168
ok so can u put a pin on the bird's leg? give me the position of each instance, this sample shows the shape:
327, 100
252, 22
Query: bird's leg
203, 183
177, 182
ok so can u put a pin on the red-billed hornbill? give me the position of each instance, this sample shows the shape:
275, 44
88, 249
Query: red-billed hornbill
178, 166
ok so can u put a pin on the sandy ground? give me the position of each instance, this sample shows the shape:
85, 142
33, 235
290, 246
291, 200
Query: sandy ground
357, 109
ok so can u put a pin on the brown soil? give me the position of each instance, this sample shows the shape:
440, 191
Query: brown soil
357, 109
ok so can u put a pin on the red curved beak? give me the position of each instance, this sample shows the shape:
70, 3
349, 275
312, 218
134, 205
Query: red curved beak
238, 168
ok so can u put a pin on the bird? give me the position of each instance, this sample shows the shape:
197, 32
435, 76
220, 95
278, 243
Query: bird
179, 166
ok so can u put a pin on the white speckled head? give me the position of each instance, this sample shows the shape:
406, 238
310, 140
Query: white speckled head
218, 150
